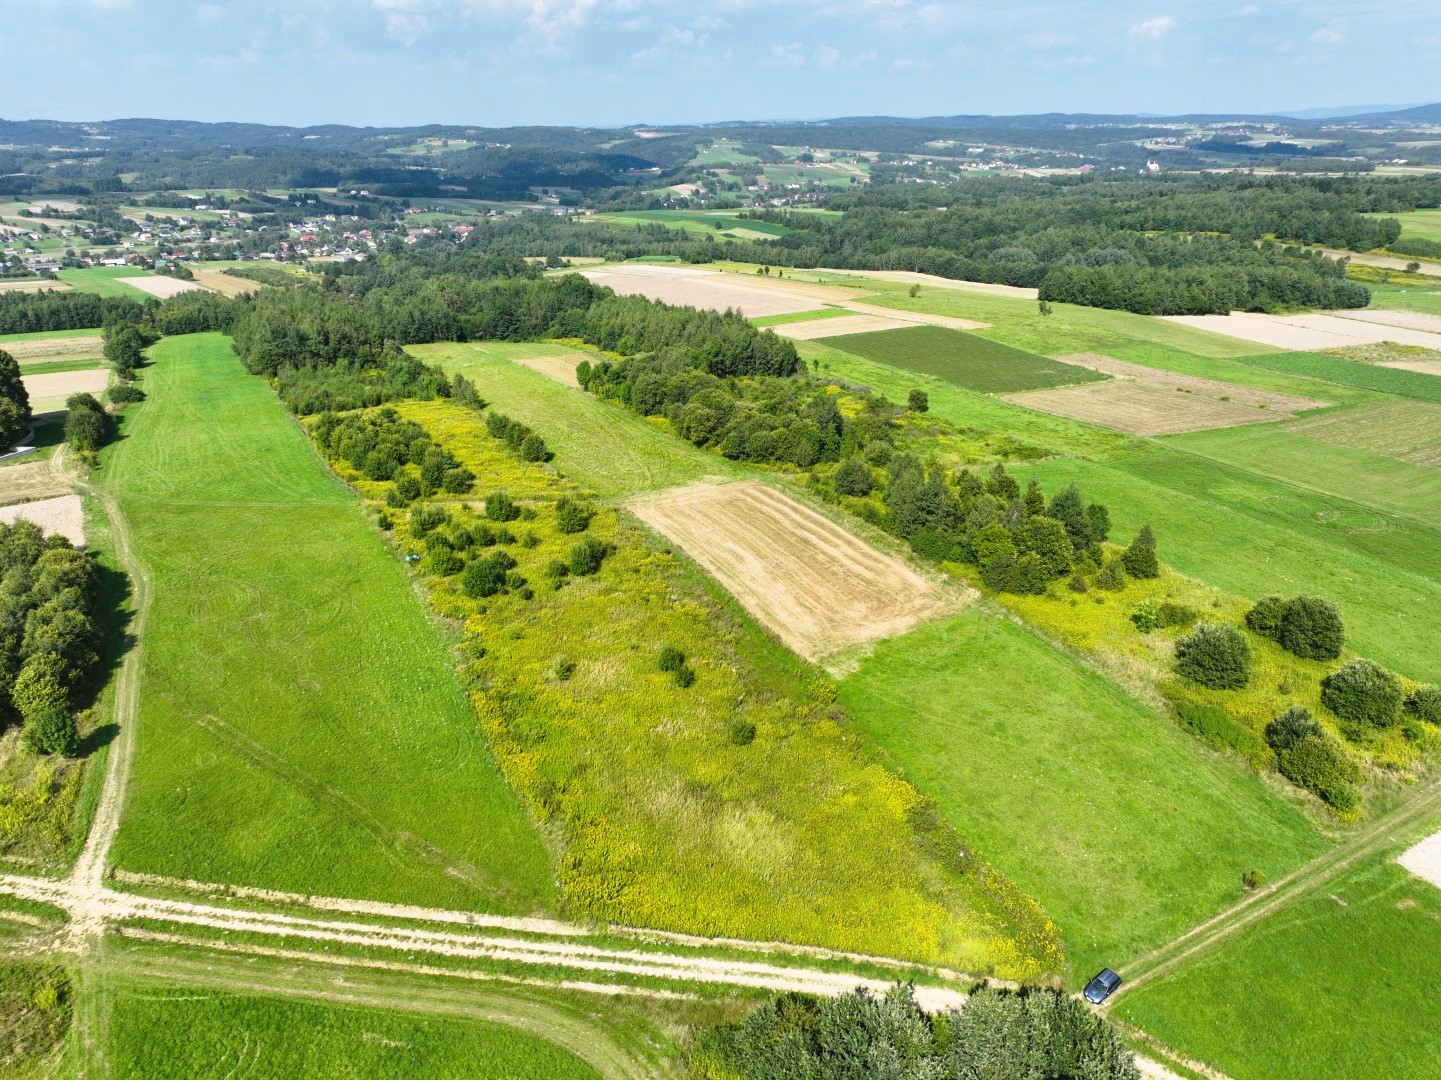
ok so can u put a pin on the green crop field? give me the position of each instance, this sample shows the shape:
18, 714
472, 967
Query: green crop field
1346, 982
1119, 824
156, 1031
597, 443
1381, 483
1264, 536
301, 726
1335, 369
102, 280
964, 359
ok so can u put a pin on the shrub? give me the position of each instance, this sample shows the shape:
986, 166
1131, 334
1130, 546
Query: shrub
555, 570
406, 486
1140, 557
483, 577
1077, 582
685, 677
457, 481
742, 732
587, 555
1363, 692
572, 516
532, 448
1173, 614
1343, 798
1291, 727
853, 477
425, 518
918, 401
1145, 617
1253, 879
125, 394
500, 507
1265, 617
443, 562
42, 684
51, 731
1217, 657
1112, 576
1218, 731
671, 659
1028, 575
1321, 765
1425, 704
1311, 627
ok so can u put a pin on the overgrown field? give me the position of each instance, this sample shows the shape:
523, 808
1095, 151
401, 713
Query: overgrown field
301, 725
209, 1035
35, 1013
735, 800
609, 450
1345, 982
1122, 827
965, 359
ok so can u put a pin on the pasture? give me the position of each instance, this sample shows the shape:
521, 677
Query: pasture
301, 726
819, 587
1345, 982
1404, 430
597, 443
1119, 824
1420, 224
106, 280
1143, 408
703, 222
963, 359
156, 1030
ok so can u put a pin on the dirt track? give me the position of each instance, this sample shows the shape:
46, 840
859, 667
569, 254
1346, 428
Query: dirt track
819, 587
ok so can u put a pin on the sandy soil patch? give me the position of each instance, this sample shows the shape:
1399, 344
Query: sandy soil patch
226, 284
686, 287
27, 480
62, 514
1142, 408
1412, 320
37, 349
1424, 859
916, 278
819, 587
1209, 388
32, 286
846, 324
163, 287
48, 392
559, 368
1306, 333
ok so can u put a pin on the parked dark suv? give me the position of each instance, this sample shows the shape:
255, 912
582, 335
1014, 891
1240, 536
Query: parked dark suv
1102, 986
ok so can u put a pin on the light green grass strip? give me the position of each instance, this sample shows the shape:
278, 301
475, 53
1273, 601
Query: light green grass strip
301, 724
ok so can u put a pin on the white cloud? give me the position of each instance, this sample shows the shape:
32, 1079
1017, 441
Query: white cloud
209, 13
827, 57
1246, 12
1333, 33
792, 55
1158, 27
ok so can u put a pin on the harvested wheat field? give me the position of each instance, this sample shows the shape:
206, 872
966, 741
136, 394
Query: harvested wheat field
27, 480
1142, 408
1412, 320
227, 284
1209, 388
1424, 859
819, 587
68, 347
48, 392
916, 277
163, 287
35, 285
683, 286
845, 324
1395, 428
559, 368
1306, 333
63, 514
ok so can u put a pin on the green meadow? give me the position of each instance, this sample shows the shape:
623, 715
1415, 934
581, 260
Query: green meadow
1123, 827
1345, 982
102, 280
301, 726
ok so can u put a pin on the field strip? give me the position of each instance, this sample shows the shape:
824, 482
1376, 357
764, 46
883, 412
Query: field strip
686, 287
62, 384
918, 278
845, 324
1306, 333
1142, 408
912, 318
820, 588
1412, 320
163, 287
1211, 388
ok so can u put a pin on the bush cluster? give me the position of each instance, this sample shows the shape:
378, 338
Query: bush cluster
1309, 626
88, 426
673, 661
522, 440
382, 445
1218, 657
1363, 693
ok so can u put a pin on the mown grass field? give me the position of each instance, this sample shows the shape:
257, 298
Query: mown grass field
207, 1035
1419, 224
963, 358
792, 832
1346, 982
599, 444
301, 725
1382, 483
1345, 372
1405, 430
1122, 827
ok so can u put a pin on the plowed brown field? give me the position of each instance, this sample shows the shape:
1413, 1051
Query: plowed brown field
819, 587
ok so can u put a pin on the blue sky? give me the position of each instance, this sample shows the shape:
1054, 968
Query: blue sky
611, 62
